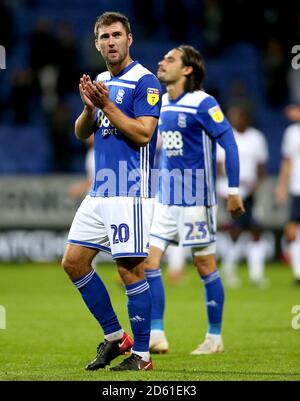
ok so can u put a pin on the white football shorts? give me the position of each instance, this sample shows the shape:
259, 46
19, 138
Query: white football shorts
190, 226
118, 225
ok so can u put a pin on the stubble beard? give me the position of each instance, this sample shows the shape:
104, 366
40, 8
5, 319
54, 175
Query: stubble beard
116, 61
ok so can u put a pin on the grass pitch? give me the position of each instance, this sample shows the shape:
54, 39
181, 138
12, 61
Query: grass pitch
50, 334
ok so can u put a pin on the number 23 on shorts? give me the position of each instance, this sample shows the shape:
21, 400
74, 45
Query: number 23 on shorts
196, 231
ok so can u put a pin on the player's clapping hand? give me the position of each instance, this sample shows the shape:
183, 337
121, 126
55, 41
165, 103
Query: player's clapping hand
84, 80
98, 94
235, 206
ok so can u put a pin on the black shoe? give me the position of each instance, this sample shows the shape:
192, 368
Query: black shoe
134, 362
109, 350
297, 282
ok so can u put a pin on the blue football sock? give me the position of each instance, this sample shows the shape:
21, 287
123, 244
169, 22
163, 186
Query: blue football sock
96, 298
214, 301
139, 311
154, 278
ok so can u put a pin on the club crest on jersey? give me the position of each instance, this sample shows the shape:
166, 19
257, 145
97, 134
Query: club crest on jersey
216, 114
120, 95
152, 96
181, 120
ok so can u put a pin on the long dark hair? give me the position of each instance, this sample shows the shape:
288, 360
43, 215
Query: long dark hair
192, 58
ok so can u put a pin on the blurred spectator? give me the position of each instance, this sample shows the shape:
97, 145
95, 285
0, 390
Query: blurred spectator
60, 127
21, 96
43, 45
293, 113
176, 258
80, 188
54, 54
253, 154
67, 59
145, 16
275, 68
239, 95
289, 183
212, 25
294, 83
239, 19
92, 63
43, 60
6, 25
174, 15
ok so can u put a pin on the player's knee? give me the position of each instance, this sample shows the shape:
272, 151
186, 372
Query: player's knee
153, 260
130, 270
291, 232
151, 263
69, 264
205, 264
205, 270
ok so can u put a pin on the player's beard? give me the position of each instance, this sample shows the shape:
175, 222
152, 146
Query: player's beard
118, 60
162, 77
163, 80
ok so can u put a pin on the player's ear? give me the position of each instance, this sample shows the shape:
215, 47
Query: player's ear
187, 70
130, 39
97, 45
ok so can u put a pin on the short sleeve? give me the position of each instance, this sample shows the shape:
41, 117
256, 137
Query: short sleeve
287, 147
211, 117
147, 97
262, 152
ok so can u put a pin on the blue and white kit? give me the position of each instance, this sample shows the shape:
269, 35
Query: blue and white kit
116, 215
186, 210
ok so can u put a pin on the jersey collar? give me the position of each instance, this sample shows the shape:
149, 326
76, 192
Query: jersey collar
126, 69
172, 101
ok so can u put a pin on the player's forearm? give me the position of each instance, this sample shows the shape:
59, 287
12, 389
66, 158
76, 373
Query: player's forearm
85, 123
284, 175
232, 162
130, 127
261, 175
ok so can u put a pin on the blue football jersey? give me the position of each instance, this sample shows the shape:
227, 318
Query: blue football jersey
189, 127
122, 168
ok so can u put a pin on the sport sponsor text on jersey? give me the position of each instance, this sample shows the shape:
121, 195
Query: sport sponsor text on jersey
172, 143
106, 126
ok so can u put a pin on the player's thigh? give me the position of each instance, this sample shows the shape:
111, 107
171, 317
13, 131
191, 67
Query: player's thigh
88, 228
164, 228
127, 221
77, 260
153, 260
198, 232
198, 226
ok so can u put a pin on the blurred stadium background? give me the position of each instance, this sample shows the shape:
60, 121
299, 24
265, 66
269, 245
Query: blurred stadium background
49, 44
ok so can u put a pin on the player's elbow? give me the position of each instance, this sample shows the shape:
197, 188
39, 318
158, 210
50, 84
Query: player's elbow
144, 138
81, 133
144, 141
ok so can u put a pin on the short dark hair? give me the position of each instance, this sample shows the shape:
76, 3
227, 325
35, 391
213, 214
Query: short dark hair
192, 58
109, 18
